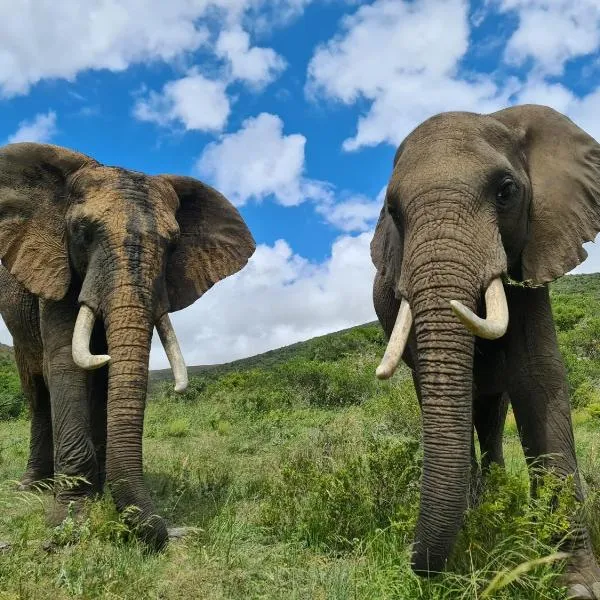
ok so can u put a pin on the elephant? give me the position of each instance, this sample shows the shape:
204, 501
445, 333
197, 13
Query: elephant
93, 258
481, 213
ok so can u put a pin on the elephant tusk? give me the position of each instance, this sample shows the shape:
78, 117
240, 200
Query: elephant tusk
168, 338
496, 322
80, 345
397, 343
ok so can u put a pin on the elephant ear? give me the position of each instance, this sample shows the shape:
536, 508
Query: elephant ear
214, 241
386, 249
33, 202
563, 162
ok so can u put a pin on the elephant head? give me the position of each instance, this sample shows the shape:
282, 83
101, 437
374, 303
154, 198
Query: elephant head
472, 199
131, 248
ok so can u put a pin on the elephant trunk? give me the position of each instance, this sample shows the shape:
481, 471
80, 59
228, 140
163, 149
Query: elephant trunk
445, 372
129, 327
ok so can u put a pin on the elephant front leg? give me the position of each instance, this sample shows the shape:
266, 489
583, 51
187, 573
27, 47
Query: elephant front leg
40, 465
75, 463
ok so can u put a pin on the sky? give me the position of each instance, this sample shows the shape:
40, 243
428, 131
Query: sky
291, 108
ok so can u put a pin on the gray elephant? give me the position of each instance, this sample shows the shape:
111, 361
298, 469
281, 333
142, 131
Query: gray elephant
94, 257
474, 199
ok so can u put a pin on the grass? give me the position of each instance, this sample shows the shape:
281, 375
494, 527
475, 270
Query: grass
302, 477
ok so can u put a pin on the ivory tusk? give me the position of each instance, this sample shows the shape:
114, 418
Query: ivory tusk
496, 321
397, 343
80, 345
168, 338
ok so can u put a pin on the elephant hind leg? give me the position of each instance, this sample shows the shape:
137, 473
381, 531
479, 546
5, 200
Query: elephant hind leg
98, 415
489, 417
40, 465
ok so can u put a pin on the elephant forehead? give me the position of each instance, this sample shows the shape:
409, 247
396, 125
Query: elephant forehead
124, 201
458, 158
459, 134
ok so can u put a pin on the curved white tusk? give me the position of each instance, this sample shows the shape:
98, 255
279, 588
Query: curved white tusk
496, 321
80, 345
168, 338
397, 343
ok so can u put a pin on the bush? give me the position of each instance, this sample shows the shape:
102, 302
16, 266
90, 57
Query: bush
12, 400
336, 490
594, 410
585, 394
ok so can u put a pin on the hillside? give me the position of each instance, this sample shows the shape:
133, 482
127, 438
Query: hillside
264, 359
300, 471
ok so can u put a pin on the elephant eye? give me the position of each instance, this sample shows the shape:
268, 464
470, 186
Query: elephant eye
506, 191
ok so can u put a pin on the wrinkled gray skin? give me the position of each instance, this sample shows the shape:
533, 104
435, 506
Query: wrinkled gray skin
473, 197
132, 248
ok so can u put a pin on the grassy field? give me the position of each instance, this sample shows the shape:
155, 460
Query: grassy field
301, 472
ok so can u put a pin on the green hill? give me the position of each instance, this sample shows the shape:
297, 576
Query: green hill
276, 356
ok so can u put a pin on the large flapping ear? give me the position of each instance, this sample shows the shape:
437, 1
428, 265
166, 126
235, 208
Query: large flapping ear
387, 245
563, 163
32, 215
386, 249
214, 241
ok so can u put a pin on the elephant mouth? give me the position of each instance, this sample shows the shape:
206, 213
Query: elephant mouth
492, 327
83, 358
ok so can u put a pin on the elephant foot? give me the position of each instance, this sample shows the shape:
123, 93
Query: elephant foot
33, 480
60, 510
582, 577
176, 533
152, 531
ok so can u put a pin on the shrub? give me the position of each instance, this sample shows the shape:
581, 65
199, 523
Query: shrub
586, 393
594, 410
12, 400
337, 489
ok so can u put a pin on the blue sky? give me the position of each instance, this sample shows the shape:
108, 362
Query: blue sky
293, 109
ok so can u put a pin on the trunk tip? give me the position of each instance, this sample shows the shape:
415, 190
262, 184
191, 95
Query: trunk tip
426, 564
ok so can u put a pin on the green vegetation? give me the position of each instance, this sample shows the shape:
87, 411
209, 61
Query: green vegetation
301, 471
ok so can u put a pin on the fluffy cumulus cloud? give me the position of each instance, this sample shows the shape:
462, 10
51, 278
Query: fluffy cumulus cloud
278, 299
254, 65
39, 38
39, 129
194, 101
403, 57
551, 33
260, 160
354, 213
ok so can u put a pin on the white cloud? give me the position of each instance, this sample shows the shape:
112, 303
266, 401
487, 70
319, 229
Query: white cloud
195, 101
403, 57
39, 129
259, 160
44, 39
356, 213
552, 33
254, 65
279, 298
